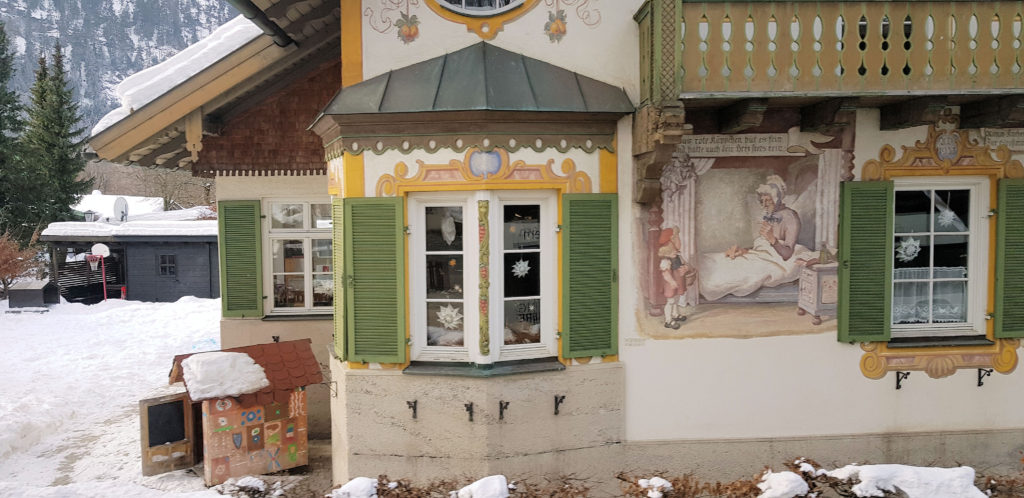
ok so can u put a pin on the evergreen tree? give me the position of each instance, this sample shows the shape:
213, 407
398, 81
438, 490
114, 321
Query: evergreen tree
53, 142
11, 125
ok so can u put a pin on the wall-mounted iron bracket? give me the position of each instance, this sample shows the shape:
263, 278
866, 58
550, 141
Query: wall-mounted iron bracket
982, 373
412, 406
900, 377
559, 398
469, 410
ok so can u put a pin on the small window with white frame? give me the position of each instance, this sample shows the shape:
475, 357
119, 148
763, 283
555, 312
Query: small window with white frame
480, 8
940, 256
298, 258
446, 259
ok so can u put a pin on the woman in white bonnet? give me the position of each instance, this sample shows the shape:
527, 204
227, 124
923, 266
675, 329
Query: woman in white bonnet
780, 225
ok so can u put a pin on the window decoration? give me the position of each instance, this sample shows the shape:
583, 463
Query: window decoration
922, 234
486, 18
396, 15
484, 170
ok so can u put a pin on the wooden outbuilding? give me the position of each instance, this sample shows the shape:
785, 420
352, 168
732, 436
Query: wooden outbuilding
33, 294
257, 433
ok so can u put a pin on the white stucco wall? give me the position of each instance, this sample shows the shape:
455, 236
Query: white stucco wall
787, 386
614, 35
255, 187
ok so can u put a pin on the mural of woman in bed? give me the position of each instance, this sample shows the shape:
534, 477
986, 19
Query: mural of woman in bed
780, 225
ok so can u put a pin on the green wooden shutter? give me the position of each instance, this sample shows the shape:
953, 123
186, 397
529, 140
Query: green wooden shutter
338, 266
590, 290
375, 279
241, 279
1009, 309
865, 261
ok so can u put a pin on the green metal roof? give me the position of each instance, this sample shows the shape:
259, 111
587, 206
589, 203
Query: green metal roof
480, 77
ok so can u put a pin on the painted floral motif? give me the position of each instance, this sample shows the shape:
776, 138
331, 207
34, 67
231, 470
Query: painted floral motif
521, 268
908, 250
555, 27
408, 27
450, 317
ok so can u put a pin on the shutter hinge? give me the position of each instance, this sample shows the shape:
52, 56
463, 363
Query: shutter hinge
558, 228
350, 281
406, 229
558, 335
263, 216
989, 316
992, 212
615, 275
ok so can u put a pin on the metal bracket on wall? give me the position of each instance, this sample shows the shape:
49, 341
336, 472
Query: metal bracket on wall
559, 398
333, 386
412, 406
900, 377
469, 410
982, 373
502, 406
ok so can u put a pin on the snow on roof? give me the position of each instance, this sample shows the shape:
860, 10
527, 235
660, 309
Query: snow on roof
103, 204
131, 228
221, 375
188, 214
145, 86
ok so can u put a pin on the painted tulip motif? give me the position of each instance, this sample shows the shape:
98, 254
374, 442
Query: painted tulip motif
408, 27
555, 27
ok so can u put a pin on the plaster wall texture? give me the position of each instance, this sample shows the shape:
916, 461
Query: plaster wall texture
255, 187
377, 165
379, 434
236, 332
797, 386
870, 138
603, 27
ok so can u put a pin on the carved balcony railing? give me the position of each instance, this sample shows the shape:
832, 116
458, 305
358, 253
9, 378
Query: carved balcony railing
709, 48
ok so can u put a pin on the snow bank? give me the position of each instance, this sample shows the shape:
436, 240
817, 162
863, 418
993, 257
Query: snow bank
657, 486
145, 86
488, 487
73, 378
360, 487
220, 375
782, 485
915, 482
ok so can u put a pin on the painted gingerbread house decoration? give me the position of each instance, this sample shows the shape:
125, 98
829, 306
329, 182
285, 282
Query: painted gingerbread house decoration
264, 431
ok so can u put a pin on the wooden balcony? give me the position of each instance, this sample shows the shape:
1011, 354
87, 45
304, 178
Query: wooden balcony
716, 49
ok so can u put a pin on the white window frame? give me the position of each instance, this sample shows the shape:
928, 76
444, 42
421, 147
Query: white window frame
307, 234
977, 259
470, 12
470, 351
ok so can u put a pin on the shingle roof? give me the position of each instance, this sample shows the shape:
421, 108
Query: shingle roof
480, 77
287, 365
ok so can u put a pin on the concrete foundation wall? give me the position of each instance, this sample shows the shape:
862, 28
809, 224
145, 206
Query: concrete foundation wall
245, 332
378, 434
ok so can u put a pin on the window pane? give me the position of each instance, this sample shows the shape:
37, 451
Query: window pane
283, 215
288, 257
323, 290
322, 255
952, 210
910, 302
951, 256
444, 228
912, 209
445, 326
289, 291
950, 302
912, 257
522, 227
321, 215
444, 276
522, 321
522, 274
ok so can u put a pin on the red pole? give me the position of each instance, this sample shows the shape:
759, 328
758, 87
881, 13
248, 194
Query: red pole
103, 265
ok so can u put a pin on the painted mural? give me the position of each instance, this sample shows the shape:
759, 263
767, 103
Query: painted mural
746, 224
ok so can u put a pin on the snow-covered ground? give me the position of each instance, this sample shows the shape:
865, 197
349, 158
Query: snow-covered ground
70, 382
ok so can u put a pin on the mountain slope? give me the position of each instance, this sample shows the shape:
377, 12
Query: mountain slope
105, 40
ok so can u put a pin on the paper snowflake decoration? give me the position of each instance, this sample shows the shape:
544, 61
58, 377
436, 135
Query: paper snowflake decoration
946, 218
521, 268
908, 250
450, 317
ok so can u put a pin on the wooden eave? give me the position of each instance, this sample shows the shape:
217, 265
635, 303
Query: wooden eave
153, 134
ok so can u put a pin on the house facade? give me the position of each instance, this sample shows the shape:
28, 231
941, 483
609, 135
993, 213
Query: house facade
580, 237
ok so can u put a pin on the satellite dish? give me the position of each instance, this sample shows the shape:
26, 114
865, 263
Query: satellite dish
100, 250
121, 209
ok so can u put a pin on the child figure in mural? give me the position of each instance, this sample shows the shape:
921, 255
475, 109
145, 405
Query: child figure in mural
677, 276
780, 225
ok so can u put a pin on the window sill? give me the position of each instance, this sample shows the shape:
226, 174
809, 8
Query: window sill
956, 340
489, 370
288, 318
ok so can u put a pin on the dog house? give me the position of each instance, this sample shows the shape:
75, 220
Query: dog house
33, 294
256, 433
